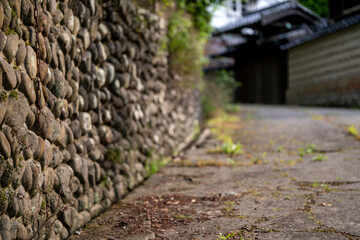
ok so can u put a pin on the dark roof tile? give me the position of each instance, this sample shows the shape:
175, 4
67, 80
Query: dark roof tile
323, 30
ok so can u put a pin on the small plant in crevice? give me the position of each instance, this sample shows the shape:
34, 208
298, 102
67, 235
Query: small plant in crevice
229, 207
310, 148
181, 216
231, 148
114, 155
104, 181
224, 237
154, 166
353, 131
320, 158
280, 149
3, 96
150, 153
14, 94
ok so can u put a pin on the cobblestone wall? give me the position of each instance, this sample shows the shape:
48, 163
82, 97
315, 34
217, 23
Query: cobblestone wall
108, 103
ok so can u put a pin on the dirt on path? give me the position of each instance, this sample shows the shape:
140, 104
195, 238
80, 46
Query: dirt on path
297, 177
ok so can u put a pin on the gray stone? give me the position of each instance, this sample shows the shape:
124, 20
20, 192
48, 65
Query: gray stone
124, 79
76, 128
60, 229
74, 184
84, 217
47, 155
27, 87
57, 16
7, 17
7, 174
30, 62
11, 47
52, 6
70, 219
1, 15
53, 200
37, 179
5, 225
93, 101
75, 91
66, 155
61, 57
21, 53
3, 110
65, 41
42, 47
69, 20
55, 60
22, 233
79, 147
42, 22
13, 205
32, 37
120, 189
25, 7
84, 35
85, 64
49, 127
3, 201
33, 141
85, 121
5, 147
39, 150
76, 26
48, 51
51, 180
3, 39
96, 210
58, 88
104, 31
102, 56
17, 110
9, 78
64, 173
110, 72
101, 78
62, 139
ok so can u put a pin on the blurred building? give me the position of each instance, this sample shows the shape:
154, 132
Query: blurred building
253, 40
284, 53
324, 66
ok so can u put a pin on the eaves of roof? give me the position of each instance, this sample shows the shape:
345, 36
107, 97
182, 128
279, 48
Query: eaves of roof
261, 15
323, 30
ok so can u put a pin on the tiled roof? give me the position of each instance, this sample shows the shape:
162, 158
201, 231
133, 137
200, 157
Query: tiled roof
262, 15
322, 30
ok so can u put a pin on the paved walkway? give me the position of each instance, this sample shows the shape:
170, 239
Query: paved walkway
298, 178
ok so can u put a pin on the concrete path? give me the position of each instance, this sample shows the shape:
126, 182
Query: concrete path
298, 178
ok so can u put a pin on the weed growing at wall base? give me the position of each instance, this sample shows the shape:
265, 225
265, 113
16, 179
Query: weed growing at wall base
154, 166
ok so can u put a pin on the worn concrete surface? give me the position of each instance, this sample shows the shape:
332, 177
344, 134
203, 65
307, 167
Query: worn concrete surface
271, 191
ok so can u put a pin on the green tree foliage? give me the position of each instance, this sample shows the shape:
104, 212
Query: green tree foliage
188, 31
217, 92
320, 7
201, 16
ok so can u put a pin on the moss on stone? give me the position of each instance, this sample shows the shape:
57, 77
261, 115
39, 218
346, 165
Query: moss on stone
114, 155
3, 201
7, 176
14, 94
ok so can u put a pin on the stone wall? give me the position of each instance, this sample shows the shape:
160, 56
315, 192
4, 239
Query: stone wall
109, 106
